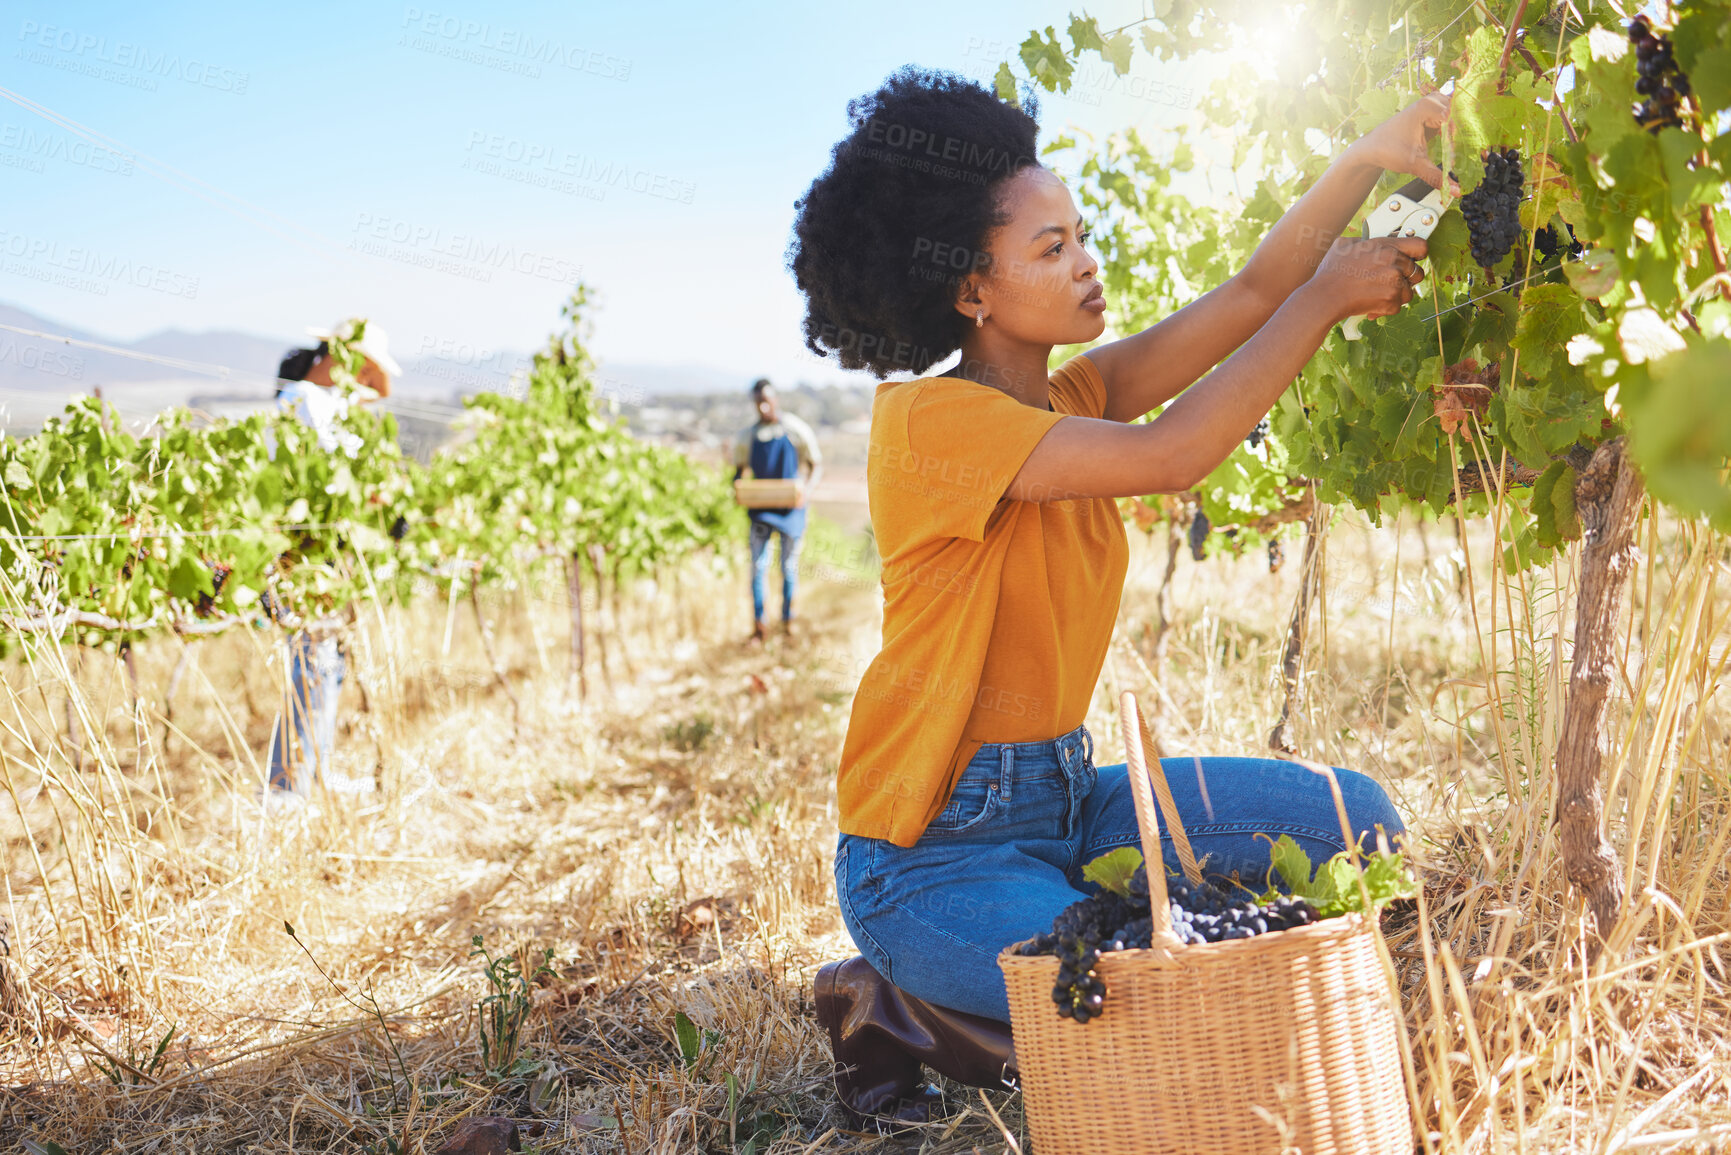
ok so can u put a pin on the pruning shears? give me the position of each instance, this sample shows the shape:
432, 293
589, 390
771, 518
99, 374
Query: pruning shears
1412, 210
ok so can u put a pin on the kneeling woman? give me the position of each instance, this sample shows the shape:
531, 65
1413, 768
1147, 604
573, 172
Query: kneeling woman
969, 796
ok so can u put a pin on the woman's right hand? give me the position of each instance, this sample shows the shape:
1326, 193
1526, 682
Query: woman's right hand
1373, 277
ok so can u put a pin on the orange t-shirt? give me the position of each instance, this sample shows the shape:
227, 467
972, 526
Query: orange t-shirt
997, 613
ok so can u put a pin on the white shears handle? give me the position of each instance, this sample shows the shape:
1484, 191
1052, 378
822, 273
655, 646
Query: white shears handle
1413, 210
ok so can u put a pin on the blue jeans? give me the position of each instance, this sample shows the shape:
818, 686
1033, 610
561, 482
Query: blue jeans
760, 535
1006, 854
301, 745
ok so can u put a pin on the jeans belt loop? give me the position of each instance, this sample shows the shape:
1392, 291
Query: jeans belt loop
1006, 772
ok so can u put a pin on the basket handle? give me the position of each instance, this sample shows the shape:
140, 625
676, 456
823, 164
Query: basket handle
1169, 807
1148, 821
1144, 741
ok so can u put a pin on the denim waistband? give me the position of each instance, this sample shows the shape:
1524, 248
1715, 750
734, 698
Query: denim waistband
1067, 756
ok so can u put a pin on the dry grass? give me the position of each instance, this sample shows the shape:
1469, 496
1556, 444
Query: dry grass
671, 843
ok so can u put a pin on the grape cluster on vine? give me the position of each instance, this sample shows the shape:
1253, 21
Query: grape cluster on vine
1549, 244
1258, 434
1199, 530
205, 604
1657, 77
1106, 922
1492, 210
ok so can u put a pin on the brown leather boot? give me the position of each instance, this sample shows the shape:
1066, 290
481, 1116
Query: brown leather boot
880, 1034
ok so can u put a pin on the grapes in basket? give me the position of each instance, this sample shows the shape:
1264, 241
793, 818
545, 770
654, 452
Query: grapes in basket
1119, 917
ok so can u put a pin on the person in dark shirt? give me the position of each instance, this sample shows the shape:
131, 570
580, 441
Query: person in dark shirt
777, 447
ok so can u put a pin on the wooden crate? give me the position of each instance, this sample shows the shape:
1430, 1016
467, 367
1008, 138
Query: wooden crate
766, 493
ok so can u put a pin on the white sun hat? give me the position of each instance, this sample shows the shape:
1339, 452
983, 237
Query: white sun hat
374, 345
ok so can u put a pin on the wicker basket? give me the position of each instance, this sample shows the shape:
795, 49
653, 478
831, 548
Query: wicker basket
766, 493
1283, 1042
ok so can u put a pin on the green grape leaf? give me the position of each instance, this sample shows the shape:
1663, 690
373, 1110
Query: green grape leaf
1636, 165
1544, 514
1645, 336
1116, 51
1112, 871
1449, 245
1680, 441
1005, 83
189, 577
1085, 34
1711, 78
1555, 520
1290, 862
1334, 888
1566, 517
1595, 274
1690, 185
690, 1043
1387, 878
1550, 316
1046, 61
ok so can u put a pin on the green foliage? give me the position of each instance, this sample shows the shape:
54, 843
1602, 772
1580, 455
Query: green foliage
1629, 338
504, 1010
689, 735
751, 1128
552, 472
686, 1031
1553, 506
697, 1047
1112, 871
1335, 887
139, 529
1680, 425
137, 1069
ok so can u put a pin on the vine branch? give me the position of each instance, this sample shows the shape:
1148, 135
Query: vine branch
1716, 251
1509, 34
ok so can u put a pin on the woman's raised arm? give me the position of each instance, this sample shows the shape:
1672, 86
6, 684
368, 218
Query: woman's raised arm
1144, 371
1083, 457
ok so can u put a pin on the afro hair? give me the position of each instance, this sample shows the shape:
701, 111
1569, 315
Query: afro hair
884, 238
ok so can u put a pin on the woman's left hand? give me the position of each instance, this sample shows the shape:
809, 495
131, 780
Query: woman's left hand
1399, 144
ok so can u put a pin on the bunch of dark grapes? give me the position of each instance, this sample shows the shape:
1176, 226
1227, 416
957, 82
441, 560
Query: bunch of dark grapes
1204, 913
1106, 922
1276, 554
1079, 934
1199, 529
1492, 210
1548, 244
399, 528
1258, 434
1658, 78
206, 603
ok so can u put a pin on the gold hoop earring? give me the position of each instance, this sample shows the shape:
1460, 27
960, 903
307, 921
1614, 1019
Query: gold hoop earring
979, 319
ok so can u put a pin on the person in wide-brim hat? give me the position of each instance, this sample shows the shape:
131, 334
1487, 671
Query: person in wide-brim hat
303, 740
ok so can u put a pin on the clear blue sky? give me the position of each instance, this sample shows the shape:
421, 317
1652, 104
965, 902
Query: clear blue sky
393, 137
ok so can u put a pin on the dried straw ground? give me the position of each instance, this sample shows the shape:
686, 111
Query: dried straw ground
670, 843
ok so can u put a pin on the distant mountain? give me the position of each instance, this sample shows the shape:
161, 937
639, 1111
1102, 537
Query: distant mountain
42, 365
36, 371
34, 364
245, 352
